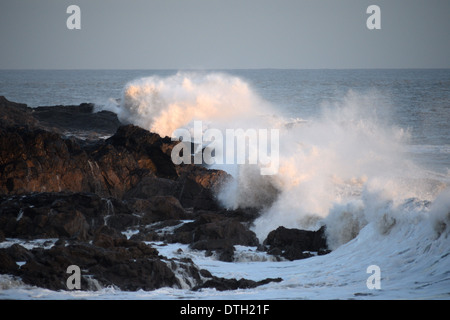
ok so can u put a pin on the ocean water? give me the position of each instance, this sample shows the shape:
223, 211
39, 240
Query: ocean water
364, 152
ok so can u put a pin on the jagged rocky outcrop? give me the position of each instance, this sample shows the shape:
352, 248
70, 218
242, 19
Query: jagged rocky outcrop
132, 163
82, 177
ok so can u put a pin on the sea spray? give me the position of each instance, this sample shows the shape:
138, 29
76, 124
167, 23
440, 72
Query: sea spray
345, 168
440, 213
163, 105
328, 161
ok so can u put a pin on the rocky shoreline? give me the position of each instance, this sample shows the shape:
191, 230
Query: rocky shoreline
82, 180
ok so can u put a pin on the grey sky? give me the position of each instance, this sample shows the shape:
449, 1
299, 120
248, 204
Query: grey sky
213, 34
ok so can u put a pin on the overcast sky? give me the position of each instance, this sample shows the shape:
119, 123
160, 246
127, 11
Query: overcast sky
221, 34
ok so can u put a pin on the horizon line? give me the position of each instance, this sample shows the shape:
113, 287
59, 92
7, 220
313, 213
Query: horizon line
213, 69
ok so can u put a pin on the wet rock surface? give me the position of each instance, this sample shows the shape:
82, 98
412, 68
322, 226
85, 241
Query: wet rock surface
83, 180
294, 244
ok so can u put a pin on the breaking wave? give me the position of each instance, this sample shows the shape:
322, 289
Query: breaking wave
346, 168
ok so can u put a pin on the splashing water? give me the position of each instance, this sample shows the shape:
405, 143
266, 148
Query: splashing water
163, 105
345, 168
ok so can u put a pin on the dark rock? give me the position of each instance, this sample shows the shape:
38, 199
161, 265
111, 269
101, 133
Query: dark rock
295, 244
276, 251
19, 253
164, 208
60, 243
132, 163
140, 250
79, 215
103, 240
223, 248
205, 273
226, 253
150, 186
70, 225
135, 275
244, 215
122, 221
39, 161
77, 119
222, 284
50, 273
215, 232
8, 264
52, 215
145, 235
198, 186
127, 264
81, 119
146, 147
107, 230
214, 227
14, 114
110, 260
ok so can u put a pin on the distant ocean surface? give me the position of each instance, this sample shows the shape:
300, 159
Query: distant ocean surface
366, 152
